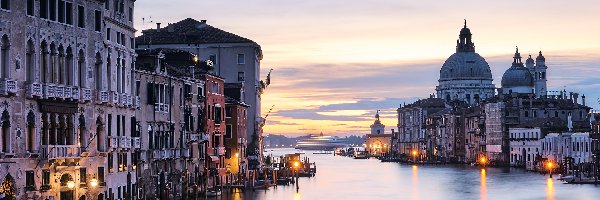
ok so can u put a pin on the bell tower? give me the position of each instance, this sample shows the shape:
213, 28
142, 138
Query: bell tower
539, 77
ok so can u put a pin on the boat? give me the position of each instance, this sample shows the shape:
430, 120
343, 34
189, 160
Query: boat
213, 193
320, 142
360, 155
262, 185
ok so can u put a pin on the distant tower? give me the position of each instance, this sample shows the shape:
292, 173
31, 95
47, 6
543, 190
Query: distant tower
377, 127
540, 76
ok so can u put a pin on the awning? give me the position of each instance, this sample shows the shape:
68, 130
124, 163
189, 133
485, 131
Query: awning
214, 158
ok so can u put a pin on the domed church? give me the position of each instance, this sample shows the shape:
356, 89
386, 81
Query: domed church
465, 75
528, 79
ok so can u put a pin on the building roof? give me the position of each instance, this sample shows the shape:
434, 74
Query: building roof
517, 75
189, 31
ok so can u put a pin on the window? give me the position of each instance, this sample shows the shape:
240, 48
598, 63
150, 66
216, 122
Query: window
108, 34
241, 59
110, 163
44, 9
213, 58
4, 56
80, 17
98, 20
82, 175
228, 131
107, 4
61, 11
228, 112
69, 13
241, 76
52, 9
200, 91
101, 175
30, 4
109, 127
130, 14
29, 181
5, 4
46, 178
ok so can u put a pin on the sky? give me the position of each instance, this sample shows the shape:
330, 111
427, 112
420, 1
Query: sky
336, 62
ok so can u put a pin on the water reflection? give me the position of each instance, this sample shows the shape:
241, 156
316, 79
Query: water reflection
549, 189
483, 189
415, 182
343, 178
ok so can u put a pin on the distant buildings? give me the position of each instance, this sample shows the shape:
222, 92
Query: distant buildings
378, 143
469, 120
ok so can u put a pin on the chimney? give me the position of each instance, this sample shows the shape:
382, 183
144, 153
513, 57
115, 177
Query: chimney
576, 98
170, 28
203, 21
158, 27
583, 100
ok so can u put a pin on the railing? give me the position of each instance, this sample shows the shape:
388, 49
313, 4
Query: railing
60, 151
67, 92
86, 94
157, 154
136, 142
161, 107
114, 142
129, 100
102, 96
8, 87
137, 102
75, 93
34, 90
186, 153
124, 99
221, 151
49, 91
125, 142
115, 97
59, 91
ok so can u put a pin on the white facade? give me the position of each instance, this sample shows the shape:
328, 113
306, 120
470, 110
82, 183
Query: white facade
525, 147
377, 127
557, 147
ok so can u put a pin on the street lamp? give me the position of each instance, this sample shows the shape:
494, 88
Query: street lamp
414, 154
296, 167
483, 161
550, 166
94, 182
71, 184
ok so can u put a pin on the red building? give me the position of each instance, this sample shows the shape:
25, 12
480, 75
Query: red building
214, 120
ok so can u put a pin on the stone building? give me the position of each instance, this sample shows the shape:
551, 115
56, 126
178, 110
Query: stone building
236, 140
67, 98
378, 143
525, 147
236, 59
412, 124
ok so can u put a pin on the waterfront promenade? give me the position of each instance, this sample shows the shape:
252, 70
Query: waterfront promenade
346, 178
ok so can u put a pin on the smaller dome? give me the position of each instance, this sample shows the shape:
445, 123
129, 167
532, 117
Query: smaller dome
517, 76
529, 60
541, 57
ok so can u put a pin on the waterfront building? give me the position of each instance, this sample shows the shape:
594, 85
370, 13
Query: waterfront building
595, 136
465, 76
412, 125
66, 88
474, 134
236, 59
378, 143
525, 147
236, 140
572, 148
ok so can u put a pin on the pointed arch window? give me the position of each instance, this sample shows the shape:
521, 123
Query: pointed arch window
60, 73
98, 78
100, 139
51, 76
6, 139
44, 62
69, 67
4, 57
29, 62
31, 140
81, 69
82, 134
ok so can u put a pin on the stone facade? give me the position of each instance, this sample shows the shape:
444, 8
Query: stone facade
64, 86
236, 140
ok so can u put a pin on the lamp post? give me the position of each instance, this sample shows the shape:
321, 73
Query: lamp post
550, 166
483, 160
414, 154
297, 167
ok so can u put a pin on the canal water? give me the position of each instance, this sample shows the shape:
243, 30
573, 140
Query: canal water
344, 178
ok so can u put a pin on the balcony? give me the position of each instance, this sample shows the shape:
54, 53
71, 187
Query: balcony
113, 142
60, 151
75, 93
123, 99
114, 97
59, 91
136, 142
102, 96
221, 151
49, 91
86, 94
161, 107
67, 94
129, 101
124, 141
137, 102
8, 87
34, 90
186, 153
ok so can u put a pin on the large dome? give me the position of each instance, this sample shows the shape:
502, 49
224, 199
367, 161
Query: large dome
517, 76
465, 66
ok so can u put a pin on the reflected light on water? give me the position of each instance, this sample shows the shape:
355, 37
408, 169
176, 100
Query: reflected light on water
415, 182
297, 196
483, 189
549, 189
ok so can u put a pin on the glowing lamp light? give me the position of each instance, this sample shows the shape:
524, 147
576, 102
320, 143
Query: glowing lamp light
296, 164
196, 58
482, 160
414, 152
237, 155
94, 182
550, 165
71, 184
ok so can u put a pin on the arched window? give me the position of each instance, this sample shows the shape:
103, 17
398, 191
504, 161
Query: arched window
4, 57
52, 68
44, 62
8, 187
31, 132
69, 67
60, 73
82, 133
100, 135
29, 60
69, 131
98, 70
81, 69
45, 127
108, 71
6, 132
